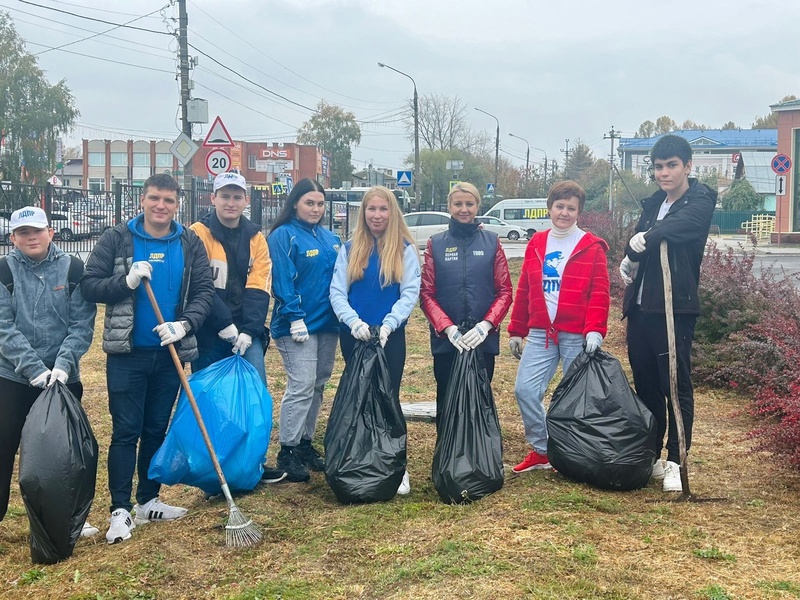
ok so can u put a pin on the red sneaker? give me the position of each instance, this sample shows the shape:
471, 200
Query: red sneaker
533, 461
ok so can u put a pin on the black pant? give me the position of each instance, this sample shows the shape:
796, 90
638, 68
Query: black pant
648, 353
16, 400
395, 350
442, 365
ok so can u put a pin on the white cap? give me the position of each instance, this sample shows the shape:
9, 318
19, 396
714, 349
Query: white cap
230, 178
29, 216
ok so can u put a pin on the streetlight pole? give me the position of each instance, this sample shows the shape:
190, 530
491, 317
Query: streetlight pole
417, 172
545, 166
527, 157
496, 147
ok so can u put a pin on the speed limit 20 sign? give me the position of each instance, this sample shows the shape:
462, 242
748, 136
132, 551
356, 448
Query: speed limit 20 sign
218, 161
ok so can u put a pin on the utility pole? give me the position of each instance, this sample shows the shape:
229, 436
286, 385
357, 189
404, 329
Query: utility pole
612, 135
565, 150
183, 55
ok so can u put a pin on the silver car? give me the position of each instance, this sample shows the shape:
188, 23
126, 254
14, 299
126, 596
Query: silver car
502, 228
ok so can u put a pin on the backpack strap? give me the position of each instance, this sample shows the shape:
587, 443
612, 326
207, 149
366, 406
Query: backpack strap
6, 278
74, 274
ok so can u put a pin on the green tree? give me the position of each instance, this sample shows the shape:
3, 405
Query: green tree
580, 159
770, 121
335, 130
729, 125
741, 196
33, 113
646, 130
665, 124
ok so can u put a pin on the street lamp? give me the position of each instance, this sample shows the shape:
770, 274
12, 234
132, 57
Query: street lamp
496, 147
527, 156
417, 171
545, 165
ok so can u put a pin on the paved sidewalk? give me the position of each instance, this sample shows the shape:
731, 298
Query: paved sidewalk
764, 247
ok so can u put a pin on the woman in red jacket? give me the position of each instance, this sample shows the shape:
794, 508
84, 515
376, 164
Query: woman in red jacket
561, 307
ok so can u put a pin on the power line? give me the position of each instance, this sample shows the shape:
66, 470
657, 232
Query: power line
72, 14
244, 105
105, 10
117, 62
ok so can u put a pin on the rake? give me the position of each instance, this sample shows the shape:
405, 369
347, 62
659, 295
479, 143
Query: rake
240, 531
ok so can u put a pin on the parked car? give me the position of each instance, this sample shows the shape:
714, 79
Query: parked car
70, 226
423, 225
5, 230
501, 228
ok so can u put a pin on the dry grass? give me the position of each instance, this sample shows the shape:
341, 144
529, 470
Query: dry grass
541, 536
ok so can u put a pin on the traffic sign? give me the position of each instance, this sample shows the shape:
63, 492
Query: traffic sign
404, 179
454, 183
277, 188
490, 188
218, 136
183, 148
780, 185
781, 164
218, 161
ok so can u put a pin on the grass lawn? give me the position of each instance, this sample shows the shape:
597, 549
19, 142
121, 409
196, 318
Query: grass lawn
541, 536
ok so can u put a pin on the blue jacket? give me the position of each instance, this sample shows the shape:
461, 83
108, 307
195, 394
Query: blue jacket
303, 257
367, 300
42, 325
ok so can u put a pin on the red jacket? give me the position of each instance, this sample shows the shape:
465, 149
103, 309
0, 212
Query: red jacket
583, 301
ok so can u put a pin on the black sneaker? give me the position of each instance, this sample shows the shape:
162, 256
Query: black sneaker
309, 455
291, 463
271, 475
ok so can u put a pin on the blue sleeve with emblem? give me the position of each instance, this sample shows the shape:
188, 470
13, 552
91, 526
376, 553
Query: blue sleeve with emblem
282, 249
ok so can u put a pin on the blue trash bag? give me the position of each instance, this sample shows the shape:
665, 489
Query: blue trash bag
237, 411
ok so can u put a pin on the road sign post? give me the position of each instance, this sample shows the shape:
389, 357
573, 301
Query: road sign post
405, 179
781, 164
218, 161
780, 185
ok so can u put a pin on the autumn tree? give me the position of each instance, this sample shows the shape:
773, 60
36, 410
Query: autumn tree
646, 129
33, 113
665, 124
770, 121
335, 130
729, 125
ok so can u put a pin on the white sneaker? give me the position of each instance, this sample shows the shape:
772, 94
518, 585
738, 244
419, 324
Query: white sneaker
672, 477
121, 526
658, 470
88, 530
156, 510
405, 485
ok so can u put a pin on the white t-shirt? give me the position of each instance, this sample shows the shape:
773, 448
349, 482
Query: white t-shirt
662, 212
557, 253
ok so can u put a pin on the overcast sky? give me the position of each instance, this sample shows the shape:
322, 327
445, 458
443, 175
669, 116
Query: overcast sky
547, 70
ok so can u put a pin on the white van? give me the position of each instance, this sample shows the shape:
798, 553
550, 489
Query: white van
529, 213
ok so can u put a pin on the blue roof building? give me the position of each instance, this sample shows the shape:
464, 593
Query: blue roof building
718, 149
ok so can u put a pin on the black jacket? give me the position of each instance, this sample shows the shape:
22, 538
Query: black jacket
104, 281
685, 227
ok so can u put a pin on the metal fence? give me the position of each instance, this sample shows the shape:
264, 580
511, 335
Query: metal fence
80, 216
730, 221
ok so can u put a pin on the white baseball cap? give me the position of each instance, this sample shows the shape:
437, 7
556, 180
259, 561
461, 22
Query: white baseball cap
230, 178
29, 216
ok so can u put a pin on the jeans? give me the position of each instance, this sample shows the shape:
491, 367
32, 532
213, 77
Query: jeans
648, 353
218, 349
395, 351
537, 367
16, 401
142, 388
308, 367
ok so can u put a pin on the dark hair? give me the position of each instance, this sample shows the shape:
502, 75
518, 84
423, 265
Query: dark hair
564, 190
671, 146
162, 181
300, 189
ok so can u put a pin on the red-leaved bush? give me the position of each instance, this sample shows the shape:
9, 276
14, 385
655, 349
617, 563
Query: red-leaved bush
616, 233
748, 338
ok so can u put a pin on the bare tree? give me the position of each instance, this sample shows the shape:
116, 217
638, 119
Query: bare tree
443, 125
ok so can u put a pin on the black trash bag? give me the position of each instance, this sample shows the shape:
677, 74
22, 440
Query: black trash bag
468, 457
599, 432
365, 442
57, 473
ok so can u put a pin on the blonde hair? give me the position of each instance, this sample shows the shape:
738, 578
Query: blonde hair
391, 246
463, 186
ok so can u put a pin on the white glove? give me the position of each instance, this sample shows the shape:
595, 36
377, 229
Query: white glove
515, 343
360, 330
628, 270
475, 336
171, 332
141, 269
299, 331
455, 337
243, 342
229, 334
384, 334
57, 375
593, 342
40, 380
638, 243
